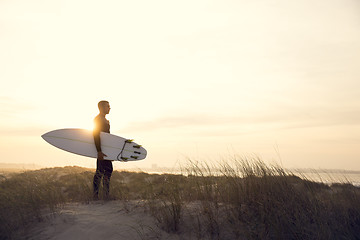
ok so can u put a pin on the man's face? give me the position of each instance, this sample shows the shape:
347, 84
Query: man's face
105, 108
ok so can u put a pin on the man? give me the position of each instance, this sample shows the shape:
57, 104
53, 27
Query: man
104, 168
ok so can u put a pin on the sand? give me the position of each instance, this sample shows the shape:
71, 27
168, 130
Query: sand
98, 220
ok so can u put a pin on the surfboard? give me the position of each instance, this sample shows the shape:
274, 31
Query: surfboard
81, 142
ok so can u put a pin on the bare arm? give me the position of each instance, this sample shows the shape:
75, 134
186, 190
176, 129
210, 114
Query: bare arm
97, 141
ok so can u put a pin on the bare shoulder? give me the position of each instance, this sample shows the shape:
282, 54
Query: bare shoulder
99, 119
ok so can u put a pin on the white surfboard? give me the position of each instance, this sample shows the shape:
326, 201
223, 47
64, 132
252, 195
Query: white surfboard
81, 141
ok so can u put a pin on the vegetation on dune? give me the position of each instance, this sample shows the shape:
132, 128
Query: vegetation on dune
246, 199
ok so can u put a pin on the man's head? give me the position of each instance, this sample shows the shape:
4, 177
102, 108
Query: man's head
104, 107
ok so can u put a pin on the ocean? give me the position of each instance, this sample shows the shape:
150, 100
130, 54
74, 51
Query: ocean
330, 176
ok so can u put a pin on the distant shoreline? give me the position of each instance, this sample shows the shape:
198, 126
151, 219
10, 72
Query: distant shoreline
327, 176
160, 170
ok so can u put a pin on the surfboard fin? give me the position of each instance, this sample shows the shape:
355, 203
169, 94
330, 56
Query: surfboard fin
129, 140
124, 158
134, 157
137, 152
137, 146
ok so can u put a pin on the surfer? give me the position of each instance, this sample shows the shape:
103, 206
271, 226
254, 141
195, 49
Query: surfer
104, 168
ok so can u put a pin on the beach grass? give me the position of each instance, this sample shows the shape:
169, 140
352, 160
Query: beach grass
238, 199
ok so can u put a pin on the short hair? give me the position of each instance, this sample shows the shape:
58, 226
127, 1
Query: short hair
102, 103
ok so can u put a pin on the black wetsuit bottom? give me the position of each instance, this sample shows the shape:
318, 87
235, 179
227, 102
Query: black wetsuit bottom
104, 169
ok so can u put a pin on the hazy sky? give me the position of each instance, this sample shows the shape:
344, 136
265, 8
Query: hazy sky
199, 79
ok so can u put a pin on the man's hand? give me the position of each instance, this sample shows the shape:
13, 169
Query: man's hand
101, 155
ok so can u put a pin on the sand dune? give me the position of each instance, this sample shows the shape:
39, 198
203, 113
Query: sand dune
98, 220
265, 204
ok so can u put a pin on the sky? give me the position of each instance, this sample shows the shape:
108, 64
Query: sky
205, 80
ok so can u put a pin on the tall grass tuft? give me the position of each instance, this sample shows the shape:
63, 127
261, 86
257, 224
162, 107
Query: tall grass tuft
165, 201
24, 196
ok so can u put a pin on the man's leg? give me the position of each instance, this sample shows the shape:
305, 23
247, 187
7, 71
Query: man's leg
106, 180
106, 186
97, 179
96, 182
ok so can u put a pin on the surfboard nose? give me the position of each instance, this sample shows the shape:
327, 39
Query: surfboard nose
45, 135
